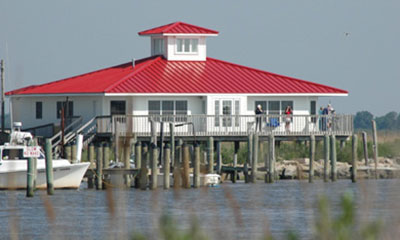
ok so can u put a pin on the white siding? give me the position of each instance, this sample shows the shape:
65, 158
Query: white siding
24, 109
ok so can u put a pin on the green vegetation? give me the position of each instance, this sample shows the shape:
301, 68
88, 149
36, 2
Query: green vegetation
388, 147
390, 121
328, 226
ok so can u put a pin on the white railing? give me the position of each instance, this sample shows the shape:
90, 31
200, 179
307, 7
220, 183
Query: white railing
234, 125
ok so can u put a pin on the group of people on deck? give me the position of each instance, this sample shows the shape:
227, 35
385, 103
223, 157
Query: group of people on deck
288, 117
325, 121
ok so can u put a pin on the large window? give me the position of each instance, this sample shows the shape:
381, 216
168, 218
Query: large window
273, 107
158, 46
169, 107
313, 110
187, 45
228, 111
68, 109
39, 110
117, 108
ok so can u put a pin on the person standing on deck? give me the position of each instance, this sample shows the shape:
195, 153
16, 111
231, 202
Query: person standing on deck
258, 112
288, 118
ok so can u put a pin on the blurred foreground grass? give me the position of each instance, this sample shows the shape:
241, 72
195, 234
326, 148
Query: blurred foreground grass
328, 226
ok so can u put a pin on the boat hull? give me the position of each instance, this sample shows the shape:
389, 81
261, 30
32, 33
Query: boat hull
69, 176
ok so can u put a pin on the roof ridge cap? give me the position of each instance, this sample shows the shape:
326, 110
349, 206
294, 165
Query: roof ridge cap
170, 27
133, 73
279, 75
207, 29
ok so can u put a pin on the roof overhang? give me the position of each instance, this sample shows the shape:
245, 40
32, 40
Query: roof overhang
180, 35
184, 94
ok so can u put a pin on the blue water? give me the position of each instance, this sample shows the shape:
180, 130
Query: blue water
231, 211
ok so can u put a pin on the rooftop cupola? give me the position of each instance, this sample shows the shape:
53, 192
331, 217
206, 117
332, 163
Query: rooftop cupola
179, 41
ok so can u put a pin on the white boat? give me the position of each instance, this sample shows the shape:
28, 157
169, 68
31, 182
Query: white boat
13, 166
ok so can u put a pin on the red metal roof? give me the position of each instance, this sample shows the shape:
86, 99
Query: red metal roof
157, 75
178, 28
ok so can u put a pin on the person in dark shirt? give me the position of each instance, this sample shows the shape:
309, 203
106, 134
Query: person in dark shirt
259, 112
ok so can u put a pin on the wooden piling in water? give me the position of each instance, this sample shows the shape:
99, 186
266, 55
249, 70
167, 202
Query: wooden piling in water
235, 160
177, 162
73, 153
172, 140
375, 147
91, 155
167, 165
354, 158
271, 162
219, 156
326, 157
210, 155
67, 152
254, 161
99, 167
49, 168
138, 162
143, 179
106, 155
30, 174
365, 147
333, 158
312, 159
249, 158
196, 166
154, 168
186, 162
127, 160
161, 143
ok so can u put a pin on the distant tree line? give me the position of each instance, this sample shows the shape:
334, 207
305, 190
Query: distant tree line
390, 121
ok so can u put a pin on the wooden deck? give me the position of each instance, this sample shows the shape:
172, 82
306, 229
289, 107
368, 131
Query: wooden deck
227, 127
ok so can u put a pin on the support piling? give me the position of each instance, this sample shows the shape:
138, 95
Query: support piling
167, 164
354, 158
196, 166
99, 168
154, 168
326, 157
312, 159
49, 168
186, 162
333, 158
210, 155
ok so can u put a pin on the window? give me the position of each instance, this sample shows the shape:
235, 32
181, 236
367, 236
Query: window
169, 107
237, 112
117, 107
227, 110
158, 46
313, 111
68, 109
187, 45
13, 154
274, 107
154, 108
39, 110
217, 113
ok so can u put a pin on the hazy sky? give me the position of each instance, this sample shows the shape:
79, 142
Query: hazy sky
43, 41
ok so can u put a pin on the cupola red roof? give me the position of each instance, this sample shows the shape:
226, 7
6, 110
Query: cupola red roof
156, 75
178, 28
